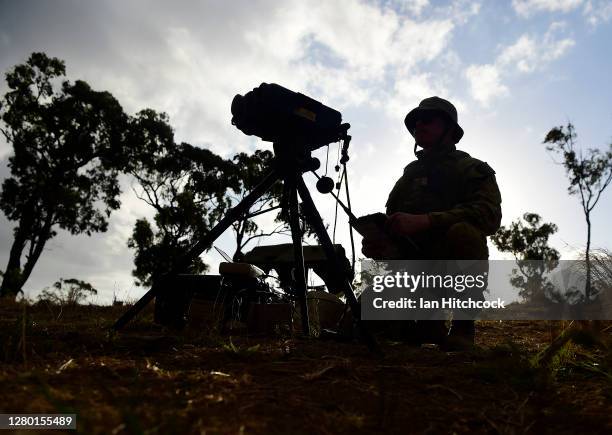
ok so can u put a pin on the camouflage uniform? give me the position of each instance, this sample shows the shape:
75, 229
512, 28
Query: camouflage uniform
461, 197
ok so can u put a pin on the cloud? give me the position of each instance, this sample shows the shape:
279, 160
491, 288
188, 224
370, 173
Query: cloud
414, 87
526, 8
485, 83
372, 60
413, 7
461, 10
342, 52
527, 55
191, 61
597, 12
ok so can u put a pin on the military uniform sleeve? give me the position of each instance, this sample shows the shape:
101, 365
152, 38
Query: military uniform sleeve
480, 205
391, 205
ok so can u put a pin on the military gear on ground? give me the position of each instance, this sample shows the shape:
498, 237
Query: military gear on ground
280, 258
434, 105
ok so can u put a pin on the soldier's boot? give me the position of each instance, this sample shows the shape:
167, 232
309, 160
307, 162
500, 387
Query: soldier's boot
465, 242
461, 336
420, 332
409, 333
404, 331
432, 332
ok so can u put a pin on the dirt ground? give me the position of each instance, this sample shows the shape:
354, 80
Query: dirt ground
149, 380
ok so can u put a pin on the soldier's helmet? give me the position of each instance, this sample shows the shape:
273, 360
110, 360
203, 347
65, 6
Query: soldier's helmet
438, 105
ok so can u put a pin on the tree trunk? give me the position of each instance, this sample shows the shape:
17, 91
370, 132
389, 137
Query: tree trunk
587, 288
11, 284
31, 261
15, 277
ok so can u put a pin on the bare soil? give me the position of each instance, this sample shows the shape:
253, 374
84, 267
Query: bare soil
151, 380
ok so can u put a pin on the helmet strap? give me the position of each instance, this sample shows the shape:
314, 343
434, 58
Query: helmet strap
447, 128
444, 133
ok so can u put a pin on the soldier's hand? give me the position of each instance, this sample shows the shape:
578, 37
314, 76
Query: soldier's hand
406, 224
380, 249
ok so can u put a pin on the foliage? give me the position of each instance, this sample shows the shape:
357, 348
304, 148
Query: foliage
68, 143
528, 242
187, 188
601, 268
588, 175
238, 351
251, 169
601, 272
69, 291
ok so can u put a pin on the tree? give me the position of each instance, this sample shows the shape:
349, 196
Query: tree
185, 185
251, 169
68, 147
602, 268
69, 291
588, 175
528, 243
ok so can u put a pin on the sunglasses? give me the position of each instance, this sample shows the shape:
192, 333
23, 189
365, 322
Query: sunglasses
426, 117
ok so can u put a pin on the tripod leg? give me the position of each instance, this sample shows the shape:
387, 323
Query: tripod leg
200, 246
298, 256
314, 219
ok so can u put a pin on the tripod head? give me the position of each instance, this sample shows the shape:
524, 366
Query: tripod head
290, 159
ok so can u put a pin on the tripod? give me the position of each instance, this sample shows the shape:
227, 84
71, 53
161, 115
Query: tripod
290, 163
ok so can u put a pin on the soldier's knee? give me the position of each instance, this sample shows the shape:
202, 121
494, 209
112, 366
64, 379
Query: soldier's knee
465, 241
463, 231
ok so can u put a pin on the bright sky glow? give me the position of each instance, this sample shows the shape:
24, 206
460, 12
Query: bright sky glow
514, 69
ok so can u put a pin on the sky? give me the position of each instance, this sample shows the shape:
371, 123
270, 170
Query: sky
514, 69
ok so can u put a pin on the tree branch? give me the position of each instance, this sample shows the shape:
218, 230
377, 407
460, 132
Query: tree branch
275, 231
606, 183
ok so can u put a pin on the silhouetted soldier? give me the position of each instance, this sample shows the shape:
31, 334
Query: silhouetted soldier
446, 201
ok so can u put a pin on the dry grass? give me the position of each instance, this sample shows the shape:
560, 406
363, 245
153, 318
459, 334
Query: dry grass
148, 380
